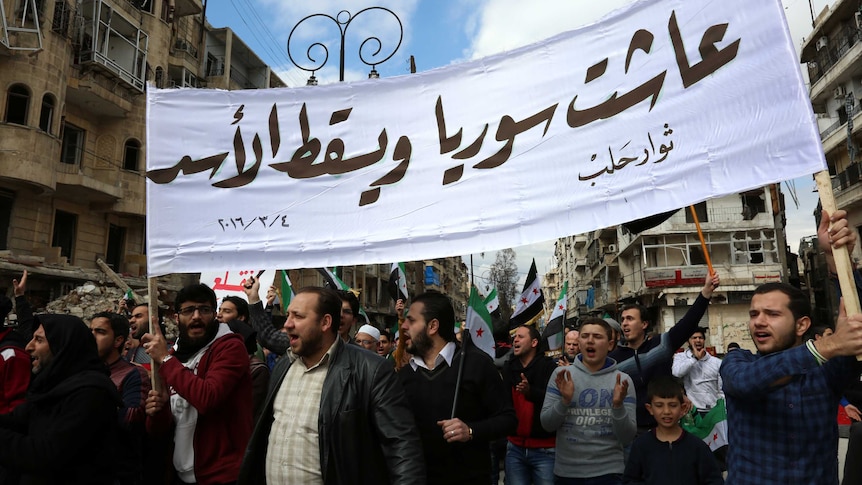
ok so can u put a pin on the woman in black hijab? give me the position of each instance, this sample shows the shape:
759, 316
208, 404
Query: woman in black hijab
64, 433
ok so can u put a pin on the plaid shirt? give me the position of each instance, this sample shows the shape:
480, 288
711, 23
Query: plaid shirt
787, 434
293, 451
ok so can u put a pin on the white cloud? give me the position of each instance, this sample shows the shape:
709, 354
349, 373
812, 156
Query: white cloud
507, 24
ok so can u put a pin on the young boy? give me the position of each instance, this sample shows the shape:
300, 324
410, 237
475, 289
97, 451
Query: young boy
668, 455
591, 406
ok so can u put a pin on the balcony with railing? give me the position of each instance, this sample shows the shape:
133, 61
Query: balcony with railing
835, 137
827, 57
839, 123
88, 180
847, 185
717, 218
111, 43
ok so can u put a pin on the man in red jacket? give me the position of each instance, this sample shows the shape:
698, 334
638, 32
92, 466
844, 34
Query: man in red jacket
531, 451
208, 387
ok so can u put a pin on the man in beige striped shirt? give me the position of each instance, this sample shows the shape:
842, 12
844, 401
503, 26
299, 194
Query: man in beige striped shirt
335, 413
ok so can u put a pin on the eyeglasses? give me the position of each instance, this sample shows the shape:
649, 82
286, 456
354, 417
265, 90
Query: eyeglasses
365, 342
204, 310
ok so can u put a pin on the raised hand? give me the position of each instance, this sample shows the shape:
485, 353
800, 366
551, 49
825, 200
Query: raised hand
252, 290
620, 390
524, 386
566, 386
20, 287
847, 339
154, 343
710, 284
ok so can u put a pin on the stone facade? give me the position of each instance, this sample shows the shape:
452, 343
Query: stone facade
73, 128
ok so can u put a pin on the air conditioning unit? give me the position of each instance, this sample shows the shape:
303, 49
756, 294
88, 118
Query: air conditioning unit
612, 248
839, 92
859, 20
822, 42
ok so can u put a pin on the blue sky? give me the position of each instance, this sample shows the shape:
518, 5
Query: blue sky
443, 32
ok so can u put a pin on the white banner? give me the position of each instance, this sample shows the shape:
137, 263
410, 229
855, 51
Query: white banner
663, 104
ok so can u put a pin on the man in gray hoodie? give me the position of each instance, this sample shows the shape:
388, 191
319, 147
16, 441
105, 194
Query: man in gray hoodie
591, 406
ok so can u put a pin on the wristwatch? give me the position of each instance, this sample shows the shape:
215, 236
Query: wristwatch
471, 432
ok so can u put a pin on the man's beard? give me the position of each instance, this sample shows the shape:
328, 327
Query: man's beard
189, 344
420, 344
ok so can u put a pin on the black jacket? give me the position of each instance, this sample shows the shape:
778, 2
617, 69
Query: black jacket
686, 461
65, 432
529, 407
367, 433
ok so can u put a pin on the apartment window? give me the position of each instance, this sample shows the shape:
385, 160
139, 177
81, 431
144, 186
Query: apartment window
753, 203
60, 22
160, 77
17, 102
700, 209
73, 144
144, 5
131, 155
166, 14
25, 9
116, 246
6, 199
46, 116
65, 228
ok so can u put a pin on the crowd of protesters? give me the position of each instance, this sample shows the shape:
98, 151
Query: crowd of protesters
245, 396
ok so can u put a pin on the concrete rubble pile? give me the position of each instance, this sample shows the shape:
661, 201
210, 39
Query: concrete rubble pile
91, 298
87, 300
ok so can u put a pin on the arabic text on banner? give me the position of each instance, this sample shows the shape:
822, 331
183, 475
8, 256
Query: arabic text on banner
663, 104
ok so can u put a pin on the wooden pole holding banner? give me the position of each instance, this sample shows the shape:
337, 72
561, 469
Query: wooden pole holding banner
153, 308
702, 240
841, 255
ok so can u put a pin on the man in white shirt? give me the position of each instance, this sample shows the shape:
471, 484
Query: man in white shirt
699, 372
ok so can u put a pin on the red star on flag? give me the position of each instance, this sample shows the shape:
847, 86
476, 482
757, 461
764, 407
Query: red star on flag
524, 301
535, 291
479, 332
715, 437
561, 307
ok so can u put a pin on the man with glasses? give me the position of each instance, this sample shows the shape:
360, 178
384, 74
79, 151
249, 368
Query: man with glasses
367, 337
206, 392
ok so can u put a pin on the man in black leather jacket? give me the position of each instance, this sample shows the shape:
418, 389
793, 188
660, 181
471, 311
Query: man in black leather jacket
351, 424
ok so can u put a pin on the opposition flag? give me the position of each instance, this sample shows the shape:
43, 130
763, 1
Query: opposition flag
553, 333
492, 302
478, 322
398, 282
711, 428
644, 224
286, 290
332, 280
531, 301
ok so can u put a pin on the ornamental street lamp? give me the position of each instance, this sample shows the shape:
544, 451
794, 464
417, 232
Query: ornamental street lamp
343, 20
